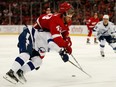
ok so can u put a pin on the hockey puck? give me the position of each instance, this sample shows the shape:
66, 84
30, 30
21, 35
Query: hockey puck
73, 75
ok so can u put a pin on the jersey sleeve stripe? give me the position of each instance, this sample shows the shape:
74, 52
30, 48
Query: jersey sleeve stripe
56, 35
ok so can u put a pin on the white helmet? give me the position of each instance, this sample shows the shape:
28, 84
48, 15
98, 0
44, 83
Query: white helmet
105, 17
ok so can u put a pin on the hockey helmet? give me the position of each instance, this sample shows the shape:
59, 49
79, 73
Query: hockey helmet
106, 17
66, 8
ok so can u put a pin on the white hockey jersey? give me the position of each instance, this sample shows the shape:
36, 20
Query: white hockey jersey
103, 30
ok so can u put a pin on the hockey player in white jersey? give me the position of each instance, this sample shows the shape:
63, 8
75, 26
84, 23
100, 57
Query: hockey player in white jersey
106, 32
30, 55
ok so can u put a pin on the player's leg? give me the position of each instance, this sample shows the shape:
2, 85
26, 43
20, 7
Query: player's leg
89, 35
18, 63
95, 37
25, 48
102, 45
95, 40
37, 55
34, 63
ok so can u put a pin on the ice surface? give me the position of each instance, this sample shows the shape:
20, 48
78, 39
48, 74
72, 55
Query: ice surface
55, 73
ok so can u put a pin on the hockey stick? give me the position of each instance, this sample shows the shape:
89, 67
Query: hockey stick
25, 25
76, 62
79, 68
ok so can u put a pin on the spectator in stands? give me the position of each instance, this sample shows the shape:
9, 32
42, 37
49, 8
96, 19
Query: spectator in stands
23, 11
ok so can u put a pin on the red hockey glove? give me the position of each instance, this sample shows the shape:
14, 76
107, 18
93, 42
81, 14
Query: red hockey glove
69, 50
68, 41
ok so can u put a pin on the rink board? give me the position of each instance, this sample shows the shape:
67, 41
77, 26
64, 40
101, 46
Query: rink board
75, 30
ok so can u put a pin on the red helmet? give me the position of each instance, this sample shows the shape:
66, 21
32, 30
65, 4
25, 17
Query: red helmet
64, 7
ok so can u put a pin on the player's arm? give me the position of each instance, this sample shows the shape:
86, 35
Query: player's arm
113, 30
57, 36
96, 28
37, 24
55, 30
67, 38
88, 23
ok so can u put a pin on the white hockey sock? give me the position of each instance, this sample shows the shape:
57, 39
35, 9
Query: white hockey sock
102, 45
32, 64
19, 61
102, 49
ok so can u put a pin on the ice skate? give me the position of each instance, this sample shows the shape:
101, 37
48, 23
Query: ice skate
95, 41
102, 54
88, 41
21, 76
11, 77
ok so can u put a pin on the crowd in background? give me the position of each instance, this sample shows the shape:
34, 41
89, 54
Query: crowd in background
18, 12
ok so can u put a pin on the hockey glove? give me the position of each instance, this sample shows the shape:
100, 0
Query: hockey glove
64, 55
68, 50
68, 40
113, 35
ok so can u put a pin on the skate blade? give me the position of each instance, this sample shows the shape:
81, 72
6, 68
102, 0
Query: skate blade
9, 80
22, 80
95, 43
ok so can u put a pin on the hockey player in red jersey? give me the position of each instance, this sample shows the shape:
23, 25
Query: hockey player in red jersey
51, 31
91, 22
57, 25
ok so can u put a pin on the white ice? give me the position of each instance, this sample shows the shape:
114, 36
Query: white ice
55, 73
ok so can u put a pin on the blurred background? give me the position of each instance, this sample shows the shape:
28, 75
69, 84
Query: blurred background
18, 12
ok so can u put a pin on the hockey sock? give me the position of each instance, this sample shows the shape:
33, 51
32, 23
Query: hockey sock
32, 64
19, 61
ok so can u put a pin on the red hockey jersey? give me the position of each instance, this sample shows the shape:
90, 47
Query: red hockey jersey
55, 25
92, 22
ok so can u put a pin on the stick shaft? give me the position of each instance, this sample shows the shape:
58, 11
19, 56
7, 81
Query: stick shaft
76, 61
79, 68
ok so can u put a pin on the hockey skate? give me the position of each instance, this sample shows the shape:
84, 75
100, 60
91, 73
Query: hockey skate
88, 41
11, 77
102, 54
95, 41
21, 76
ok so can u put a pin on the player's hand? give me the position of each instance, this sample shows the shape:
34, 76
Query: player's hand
64, 55
69, 50
68, 41
113, 35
